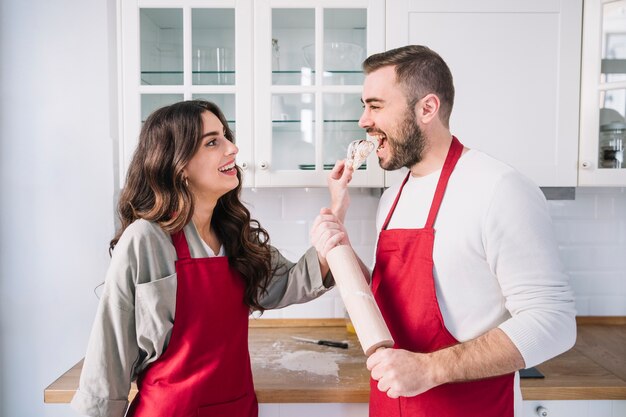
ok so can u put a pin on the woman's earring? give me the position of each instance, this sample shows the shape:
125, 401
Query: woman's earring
186, 182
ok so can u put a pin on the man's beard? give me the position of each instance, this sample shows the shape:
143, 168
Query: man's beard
407, 146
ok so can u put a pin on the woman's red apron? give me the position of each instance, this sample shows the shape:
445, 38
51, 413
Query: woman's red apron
404, 288
205, 370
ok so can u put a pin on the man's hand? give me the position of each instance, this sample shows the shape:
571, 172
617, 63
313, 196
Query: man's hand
338, 180
401, 373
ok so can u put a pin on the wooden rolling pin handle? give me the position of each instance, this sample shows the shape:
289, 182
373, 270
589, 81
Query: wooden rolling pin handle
357, 296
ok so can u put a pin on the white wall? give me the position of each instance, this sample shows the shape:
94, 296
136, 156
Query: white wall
56, 177
57, 134
590, 231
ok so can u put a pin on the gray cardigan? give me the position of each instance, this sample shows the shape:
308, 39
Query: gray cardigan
135, 316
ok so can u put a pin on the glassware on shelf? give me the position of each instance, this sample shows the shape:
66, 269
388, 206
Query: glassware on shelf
612, 138
275, 55
213, 65
338, 56
213, 46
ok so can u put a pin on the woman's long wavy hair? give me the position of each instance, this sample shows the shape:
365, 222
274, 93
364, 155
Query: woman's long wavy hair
155, 190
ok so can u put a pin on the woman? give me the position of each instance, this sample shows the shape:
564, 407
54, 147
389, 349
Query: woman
188, 265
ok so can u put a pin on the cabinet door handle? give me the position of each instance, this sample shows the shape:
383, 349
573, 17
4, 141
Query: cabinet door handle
244, 166
585, 164
264, 165
542, 411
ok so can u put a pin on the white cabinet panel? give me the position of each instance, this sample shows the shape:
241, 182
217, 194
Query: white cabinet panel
286, 74
516, 70
556, 409
603, 94
307, 85
573, 408
313, 410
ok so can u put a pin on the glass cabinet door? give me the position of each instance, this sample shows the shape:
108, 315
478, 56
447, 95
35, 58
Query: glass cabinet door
161, 46
612, 118
293, 33
183, 50
603, 94
213, 46
308, 88
344, 46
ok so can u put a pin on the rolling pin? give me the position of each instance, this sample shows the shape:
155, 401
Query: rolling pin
357, 296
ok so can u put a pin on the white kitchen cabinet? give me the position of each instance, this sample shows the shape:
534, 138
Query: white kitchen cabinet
314, 410
553, 408
173, 50
574, 408
170, 50
603, 94
516, 68
290, 87
307, 84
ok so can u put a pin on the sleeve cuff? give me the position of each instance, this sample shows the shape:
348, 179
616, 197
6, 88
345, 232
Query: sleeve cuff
538, 343
321, 284
98, 407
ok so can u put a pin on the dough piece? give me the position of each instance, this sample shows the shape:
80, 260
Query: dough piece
358, 151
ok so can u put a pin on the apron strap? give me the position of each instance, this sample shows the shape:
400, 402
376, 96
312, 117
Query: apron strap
454, 153
180, 244
393, 206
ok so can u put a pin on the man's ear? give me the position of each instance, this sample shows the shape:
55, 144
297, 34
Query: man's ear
427, 108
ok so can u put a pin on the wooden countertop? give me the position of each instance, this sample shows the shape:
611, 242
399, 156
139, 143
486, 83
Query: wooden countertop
288, 371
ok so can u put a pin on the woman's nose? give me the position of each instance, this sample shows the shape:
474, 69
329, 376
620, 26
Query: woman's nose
233, 149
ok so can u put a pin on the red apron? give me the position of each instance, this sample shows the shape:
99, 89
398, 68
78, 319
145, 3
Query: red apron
205, 370
404, 288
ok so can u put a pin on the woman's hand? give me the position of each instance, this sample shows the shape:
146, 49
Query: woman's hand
338, 180
326, 233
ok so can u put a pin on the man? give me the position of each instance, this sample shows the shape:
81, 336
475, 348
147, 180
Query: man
467, 272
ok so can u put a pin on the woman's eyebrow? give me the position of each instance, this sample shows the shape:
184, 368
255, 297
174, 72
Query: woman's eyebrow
213, 133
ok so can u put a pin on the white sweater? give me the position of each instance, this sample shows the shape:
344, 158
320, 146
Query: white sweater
496, 258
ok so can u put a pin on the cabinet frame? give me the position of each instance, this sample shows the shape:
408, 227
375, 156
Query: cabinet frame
262, 167
589, 172
559, 168
251, 129
129, 73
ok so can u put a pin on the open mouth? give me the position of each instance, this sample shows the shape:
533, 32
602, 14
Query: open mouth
228, 168
382, 140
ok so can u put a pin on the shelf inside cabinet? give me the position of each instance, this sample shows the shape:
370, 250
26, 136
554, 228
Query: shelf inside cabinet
330, 76
292, 124
325, 71
613, 66
326, 167
176, 77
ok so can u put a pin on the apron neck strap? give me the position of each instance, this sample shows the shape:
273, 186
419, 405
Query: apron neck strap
454, 153
395, 202
180, 244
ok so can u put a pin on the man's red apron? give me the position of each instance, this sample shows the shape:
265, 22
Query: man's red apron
205, 370
404, 288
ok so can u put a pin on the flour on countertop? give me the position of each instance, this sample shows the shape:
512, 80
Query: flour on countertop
314, 362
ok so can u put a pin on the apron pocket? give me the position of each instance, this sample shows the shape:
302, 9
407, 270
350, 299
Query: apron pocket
243, 406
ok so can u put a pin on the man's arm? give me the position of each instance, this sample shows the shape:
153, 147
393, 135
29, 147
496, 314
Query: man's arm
406, 374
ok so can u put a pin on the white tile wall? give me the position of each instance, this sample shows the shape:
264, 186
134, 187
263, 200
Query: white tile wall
590, 231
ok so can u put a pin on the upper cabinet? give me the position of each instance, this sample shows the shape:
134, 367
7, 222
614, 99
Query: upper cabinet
181, 50
603, 94
516, 68
307, 85
290, 88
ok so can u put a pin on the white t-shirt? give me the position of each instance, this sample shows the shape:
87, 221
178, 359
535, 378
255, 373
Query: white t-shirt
496, 261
